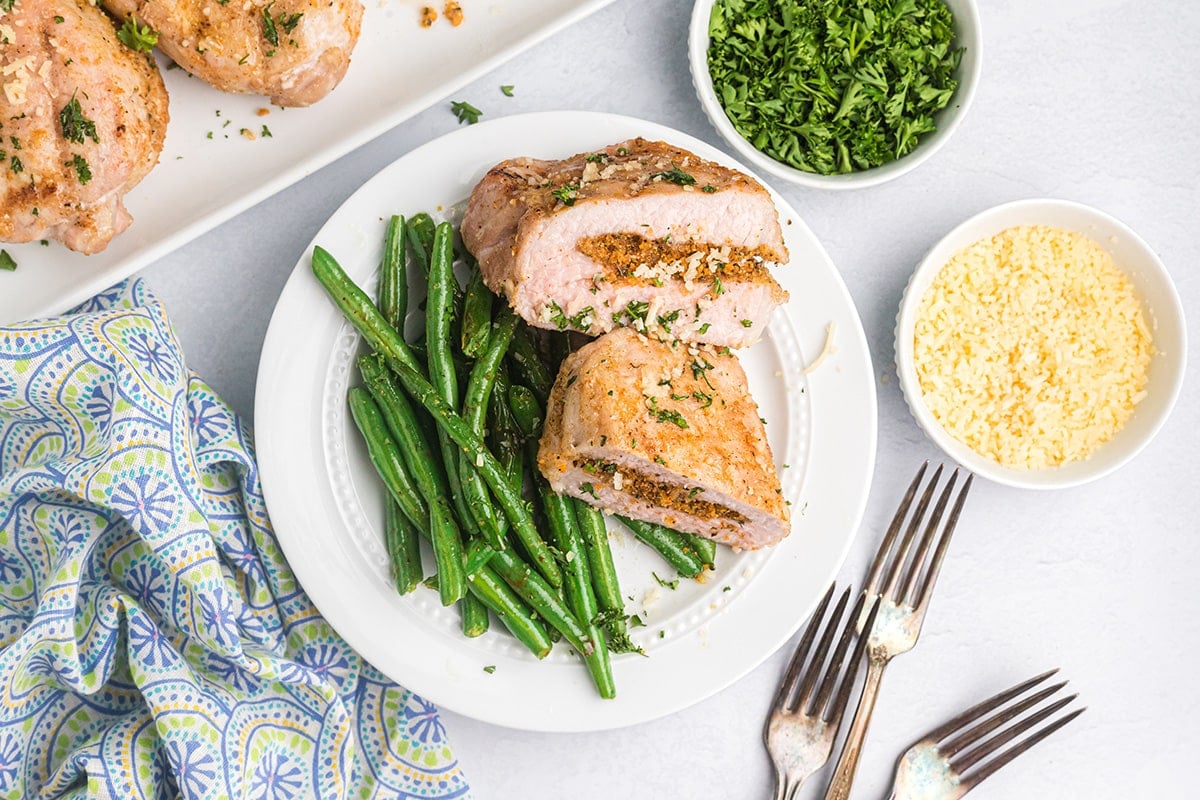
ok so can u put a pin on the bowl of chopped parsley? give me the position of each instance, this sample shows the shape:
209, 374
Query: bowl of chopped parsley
836, 94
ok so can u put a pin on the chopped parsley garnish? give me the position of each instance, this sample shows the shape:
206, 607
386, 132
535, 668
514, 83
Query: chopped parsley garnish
266, 133
616, 630
138, 38
665, 320
633, 314
674, 175
489, 669
15, 165
666, 414
590, 489
7, 262
704, 398
7, 5
718, 287
700, 368
704, 328
465, 112
75, 126
672, 585
567, 193
271, 25
507, 90
82, 170
58, 20
708, 189
596, 158
747, 323
832, 87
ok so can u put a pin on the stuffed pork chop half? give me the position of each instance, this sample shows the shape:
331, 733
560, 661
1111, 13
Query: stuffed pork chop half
639, 234
664, 434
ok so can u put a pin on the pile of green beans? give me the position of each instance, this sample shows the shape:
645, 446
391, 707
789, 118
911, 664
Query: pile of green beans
453, 436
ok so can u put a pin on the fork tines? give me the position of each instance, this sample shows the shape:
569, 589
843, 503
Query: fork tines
972, 741
904, 563
796, 691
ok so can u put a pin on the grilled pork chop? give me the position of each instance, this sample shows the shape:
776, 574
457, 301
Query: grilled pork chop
664, 434
640, 233
82, 121
293, 51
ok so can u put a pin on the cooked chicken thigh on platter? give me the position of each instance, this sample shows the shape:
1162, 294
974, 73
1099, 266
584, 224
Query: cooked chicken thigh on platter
82, 121
292, 51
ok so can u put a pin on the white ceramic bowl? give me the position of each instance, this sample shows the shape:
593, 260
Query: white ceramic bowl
967, 30
1160, 302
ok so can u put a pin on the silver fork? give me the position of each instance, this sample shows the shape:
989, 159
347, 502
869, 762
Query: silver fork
801, 726
904, 590
939, 767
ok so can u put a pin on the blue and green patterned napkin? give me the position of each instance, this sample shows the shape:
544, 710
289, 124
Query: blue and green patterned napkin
153, 640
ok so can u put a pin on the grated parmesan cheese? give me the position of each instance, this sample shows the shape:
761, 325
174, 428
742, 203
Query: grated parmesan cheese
1031, 347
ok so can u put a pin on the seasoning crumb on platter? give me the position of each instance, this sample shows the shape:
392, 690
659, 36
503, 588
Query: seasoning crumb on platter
1032, 348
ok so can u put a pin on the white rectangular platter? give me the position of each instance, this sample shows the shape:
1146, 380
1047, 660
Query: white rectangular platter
397, 70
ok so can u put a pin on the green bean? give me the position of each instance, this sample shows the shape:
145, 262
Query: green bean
483, 374
560, 513
479, 389
439, 309
477, 315
393, 282
669, 544
385, 455
420, 228
542, 598
494, 593
357, 307
529, 364
365, 317
704, 548
479, 553
403, 547
401, 421
599, 554
474, 616
505, 437
577, 584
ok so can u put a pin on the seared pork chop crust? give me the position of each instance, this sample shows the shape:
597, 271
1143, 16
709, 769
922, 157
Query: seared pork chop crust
82, 121
639, 233
668, 434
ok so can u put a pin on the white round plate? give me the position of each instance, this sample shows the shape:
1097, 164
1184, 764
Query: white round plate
326, 503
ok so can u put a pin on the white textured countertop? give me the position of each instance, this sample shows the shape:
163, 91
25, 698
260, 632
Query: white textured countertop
1091, 100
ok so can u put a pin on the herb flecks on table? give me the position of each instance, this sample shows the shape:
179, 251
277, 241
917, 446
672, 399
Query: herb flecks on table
829, 86
465, 112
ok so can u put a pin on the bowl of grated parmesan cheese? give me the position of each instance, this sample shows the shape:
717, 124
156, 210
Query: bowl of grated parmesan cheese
1041, 344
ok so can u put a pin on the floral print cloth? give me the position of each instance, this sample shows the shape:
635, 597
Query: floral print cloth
153, 641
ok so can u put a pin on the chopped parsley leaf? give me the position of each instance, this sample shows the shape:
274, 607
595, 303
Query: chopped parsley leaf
747, 323
465, 112
489, 669
7, 262
140, 39
708, 188
75, 126
674, 175
507, 90
82, 170
567, 193
266, 133
664, 583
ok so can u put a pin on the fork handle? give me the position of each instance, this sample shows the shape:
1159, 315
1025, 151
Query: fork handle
847, 764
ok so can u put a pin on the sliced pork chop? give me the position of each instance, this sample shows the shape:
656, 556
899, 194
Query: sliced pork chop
82, 121
640, 234
664, 434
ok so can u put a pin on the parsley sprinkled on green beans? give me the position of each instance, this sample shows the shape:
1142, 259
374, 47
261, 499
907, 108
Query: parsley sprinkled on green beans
833, 86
